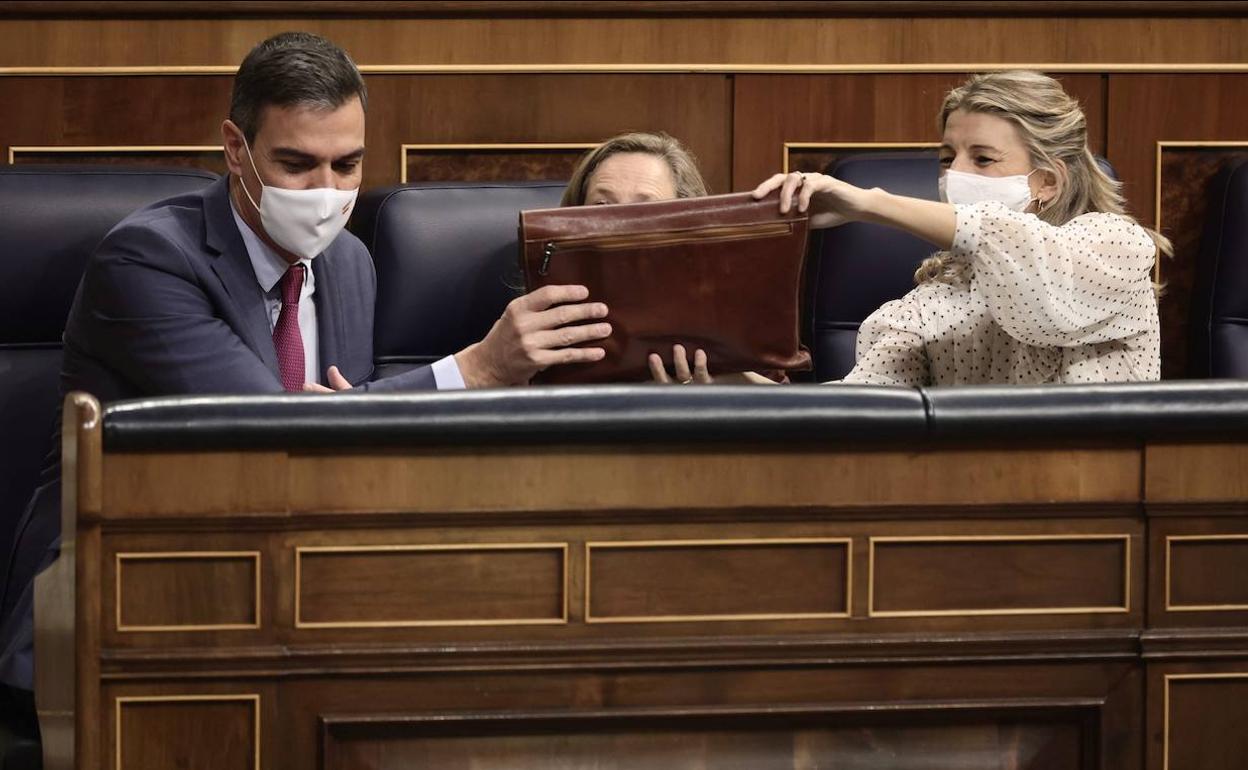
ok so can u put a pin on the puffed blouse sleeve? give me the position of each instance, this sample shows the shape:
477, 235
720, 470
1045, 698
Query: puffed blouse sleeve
890, 348
1082, 283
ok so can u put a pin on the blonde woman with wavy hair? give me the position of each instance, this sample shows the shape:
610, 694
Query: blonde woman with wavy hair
635, 167
1041, 276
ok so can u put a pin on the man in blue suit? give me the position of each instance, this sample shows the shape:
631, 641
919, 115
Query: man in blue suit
184, 296
253, 286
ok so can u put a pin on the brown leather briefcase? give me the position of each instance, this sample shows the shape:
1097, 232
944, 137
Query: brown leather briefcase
722, 273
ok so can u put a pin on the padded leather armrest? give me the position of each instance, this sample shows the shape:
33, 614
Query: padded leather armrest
587, 414
1147, 410
646, 414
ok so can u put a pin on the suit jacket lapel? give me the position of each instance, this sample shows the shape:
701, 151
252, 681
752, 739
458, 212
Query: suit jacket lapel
233, 268
328, 315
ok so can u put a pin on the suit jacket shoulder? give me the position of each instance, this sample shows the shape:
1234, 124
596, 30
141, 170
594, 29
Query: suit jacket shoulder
168, 304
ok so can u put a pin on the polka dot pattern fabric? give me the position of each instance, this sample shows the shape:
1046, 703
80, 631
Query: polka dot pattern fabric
1029, 303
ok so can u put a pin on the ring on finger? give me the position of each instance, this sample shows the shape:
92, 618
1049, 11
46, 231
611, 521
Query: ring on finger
686, 382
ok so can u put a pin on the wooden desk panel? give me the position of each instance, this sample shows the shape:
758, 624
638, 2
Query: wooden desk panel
641, 606
455, 480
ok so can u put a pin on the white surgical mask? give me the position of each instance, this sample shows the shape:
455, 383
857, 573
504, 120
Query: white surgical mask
303, 222
963, 189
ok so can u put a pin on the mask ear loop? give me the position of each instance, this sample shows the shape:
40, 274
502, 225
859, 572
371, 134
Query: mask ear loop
257, 173
1041, 204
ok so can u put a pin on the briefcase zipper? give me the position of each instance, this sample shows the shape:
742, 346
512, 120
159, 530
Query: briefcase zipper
714, 234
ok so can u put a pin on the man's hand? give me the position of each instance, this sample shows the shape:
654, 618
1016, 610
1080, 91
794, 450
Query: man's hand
534, 333
336, 381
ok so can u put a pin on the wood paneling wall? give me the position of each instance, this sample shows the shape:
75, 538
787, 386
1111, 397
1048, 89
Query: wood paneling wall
490, 94
856, 109
545, 108
1165, 184
594, 39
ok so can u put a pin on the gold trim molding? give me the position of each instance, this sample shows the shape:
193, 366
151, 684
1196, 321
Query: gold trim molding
561, 548
791, 146
83, 149
620, 545
1162, 145
1170, 605
1165, 713
120, 558
122, 700
962, 613
486, 147
651, 10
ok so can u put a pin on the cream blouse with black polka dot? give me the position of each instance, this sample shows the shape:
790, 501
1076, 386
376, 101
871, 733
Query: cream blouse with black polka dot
1033, 303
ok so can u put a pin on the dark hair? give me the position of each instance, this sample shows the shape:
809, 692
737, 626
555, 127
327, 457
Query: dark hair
293, 68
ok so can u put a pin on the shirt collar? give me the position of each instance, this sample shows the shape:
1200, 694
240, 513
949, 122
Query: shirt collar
268, 265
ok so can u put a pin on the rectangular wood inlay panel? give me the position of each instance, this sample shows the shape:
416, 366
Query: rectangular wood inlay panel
819, 157
190, 591
430, 585
717, 580
999, 575
1184, 171
1207, 572
1206, 721
762, 737
491, 162
221, 732
208, 158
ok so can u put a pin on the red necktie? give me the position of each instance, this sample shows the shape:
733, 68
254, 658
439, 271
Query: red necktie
286, 336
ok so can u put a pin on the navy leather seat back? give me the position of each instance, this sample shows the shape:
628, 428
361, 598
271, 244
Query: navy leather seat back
861, 266
1218, 329
447, 262
51, 218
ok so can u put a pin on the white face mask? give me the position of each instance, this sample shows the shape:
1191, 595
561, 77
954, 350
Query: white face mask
963, 189
303, 222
